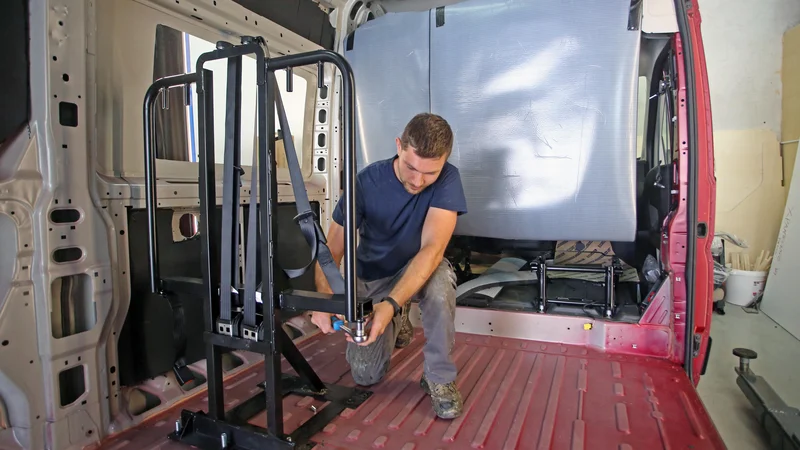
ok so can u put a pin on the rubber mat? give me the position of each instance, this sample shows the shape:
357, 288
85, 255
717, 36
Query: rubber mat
518, 395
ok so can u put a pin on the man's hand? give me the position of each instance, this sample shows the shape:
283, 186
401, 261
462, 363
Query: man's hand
382, 314
323, 321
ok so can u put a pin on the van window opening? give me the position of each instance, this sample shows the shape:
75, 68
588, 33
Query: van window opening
641, 117
177, 52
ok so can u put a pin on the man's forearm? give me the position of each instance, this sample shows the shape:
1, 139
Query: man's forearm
417, 274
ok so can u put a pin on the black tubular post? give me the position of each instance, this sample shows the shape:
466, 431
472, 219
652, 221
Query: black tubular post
541, 269
230, 188
268, 186
209, 260
610, 291
150, 168
348, 142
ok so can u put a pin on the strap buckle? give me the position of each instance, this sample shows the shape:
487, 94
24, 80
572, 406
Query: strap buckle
305, 215
309, 214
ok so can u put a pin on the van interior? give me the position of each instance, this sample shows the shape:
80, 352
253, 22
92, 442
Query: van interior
570, 126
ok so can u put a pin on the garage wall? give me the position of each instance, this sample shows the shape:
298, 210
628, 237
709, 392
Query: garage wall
743, 44
790, 76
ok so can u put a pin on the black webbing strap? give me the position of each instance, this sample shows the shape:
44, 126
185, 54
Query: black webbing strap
305, 218
250, 251
230, 190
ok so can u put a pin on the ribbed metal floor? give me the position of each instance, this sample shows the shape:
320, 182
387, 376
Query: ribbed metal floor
518, 395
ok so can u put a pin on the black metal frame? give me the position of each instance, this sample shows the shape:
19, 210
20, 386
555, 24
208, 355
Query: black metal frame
611, 271
216, 429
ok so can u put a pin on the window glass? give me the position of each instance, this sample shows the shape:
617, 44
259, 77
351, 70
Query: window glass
641, 119
177, 127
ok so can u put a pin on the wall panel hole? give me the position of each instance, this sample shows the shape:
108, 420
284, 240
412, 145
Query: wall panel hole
72, 305
321, 164
139, 402
321, 140
323, 92
65, 215
68, 114
230, 362
188, 226
71, 384
65, 77
355, 9
323, 115
67, 254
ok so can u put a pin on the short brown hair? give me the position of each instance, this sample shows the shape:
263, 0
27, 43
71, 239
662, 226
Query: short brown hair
430, 135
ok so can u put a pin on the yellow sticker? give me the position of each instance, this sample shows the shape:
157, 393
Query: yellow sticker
587, 326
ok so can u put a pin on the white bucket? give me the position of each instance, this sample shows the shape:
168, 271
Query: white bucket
744, 286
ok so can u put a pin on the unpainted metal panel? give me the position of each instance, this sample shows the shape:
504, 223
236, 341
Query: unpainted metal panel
542, 98
389, 57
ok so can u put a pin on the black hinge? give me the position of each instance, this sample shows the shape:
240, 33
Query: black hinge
705, 359
698, 340
439, 16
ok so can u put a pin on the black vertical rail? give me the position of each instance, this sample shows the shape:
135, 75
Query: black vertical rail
150, 167
268, 186
230, 185
209, 234
610, 290
348, 143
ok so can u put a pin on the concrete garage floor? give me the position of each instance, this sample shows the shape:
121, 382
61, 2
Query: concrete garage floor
778, 361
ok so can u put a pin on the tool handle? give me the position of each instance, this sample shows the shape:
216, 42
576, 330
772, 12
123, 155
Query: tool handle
337, 324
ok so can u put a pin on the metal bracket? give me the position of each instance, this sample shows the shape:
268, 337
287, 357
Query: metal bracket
224, 327
250, 333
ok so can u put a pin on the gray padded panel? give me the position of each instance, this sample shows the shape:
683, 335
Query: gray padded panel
390, 65
542, 98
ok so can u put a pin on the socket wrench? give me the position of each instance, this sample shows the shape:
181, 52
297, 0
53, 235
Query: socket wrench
358, 333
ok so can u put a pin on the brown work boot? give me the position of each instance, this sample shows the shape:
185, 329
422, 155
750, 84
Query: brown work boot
406, 334
445, 398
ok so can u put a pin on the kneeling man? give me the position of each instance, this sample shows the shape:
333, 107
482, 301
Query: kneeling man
406, 211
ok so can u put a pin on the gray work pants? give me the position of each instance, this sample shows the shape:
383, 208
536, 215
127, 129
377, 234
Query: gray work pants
437, 301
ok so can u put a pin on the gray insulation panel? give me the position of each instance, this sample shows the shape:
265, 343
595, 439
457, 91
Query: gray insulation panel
542, 98
390, 59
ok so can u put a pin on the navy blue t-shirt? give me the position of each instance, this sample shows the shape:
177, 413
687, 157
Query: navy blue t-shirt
390, 219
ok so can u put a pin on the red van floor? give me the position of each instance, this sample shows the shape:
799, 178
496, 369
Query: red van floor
518, 395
